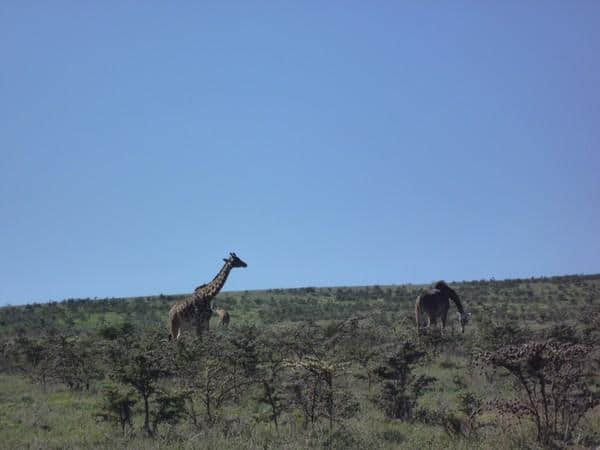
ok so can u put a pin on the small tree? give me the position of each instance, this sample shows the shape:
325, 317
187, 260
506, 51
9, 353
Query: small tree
270, 376
35, 359
239, 348
141, 367
471, 406
75, 361
117, 406
325, 399
169, 408
364, 343
88, 361
494, 335
554, 384
318, 372
400, 387
206, 369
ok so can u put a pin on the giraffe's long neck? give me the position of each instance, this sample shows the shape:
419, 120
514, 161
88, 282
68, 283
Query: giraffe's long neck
456, 299
213, 288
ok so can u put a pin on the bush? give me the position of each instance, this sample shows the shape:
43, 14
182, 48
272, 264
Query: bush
141, 366
554, 385
400, 387
117, 406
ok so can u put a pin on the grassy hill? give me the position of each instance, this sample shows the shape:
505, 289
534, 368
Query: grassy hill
337, 367
534, 301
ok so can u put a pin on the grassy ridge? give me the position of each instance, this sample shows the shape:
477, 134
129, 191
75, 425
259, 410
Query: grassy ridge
33, 415
534, 301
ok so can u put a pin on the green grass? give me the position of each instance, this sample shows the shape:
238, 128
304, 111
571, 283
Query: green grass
31, 417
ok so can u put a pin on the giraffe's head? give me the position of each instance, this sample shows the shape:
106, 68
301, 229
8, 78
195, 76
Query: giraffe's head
463, 319
235, 261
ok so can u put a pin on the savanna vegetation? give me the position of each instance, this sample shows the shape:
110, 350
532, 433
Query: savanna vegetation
309, 368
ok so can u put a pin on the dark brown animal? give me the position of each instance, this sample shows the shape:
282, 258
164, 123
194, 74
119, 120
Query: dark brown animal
436, 303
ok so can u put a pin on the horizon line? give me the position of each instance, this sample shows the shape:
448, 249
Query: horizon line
183, 294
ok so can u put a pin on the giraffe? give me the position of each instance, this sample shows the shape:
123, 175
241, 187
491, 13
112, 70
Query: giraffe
436, 304
195, 311
223, 316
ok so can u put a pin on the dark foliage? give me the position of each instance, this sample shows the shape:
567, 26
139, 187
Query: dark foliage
117, 406
401, 388
555, 385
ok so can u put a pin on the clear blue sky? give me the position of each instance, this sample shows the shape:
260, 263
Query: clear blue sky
327, 143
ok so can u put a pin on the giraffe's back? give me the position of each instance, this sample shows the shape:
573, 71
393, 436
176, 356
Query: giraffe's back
434, 303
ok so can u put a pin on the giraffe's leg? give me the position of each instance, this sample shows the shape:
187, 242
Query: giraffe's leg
202, 326
199, 329
444, 318
174, 329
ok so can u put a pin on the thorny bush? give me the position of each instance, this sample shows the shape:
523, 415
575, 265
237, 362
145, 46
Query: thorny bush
554, 383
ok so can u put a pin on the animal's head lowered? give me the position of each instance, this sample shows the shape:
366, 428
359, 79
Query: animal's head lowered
463, 319
235, 261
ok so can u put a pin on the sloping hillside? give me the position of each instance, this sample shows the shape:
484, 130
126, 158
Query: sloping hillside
534, 301
340, 367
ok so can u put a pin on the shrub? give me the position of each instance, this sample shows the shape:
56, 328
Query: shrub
117, 406
496, 335
213, 369
471, 407
318, 373
141, 366
400, 387
554, 385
